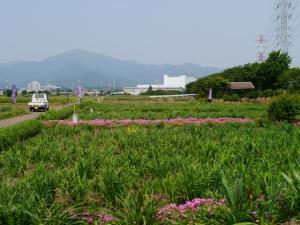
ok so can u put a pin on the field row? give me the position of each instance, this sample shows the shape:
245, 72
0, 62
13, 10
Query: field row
150, 110
132, 172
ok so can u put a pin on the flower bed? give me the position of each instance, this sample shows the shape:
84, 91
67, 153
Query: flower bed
190, 210
148, 122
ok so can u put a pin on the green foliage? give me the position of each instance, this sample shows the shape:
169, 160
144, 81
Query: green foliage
20, 132
24, 93
5, 109
290, 80
134, 171
284, 108
266, 75
195, 108
237, 199
268, 93
292, 191
231, 97
217, 83
59, 114
137, 208
8, 111
270, 71
121, 169
254, 94
161, 92
8, 93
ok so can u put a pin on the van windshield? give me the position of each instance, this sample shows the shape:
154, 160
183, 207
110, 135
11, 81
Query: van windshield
39, 95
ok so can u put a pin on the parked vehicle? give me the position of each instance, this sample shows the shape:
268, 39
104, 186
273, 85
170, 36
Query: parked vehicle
39, 103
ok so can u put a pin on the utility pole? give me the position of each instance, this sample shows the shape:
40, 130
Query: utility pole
261, 48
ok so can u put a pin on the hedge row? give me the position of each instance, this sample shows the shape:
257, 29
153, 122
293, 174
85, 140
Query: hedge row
20, 132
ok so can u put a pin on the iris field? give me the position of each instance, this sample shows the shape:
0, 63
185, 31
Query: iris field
151, 174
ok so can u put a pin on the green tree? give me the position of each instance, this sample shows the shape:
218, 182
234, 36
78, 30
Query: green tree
269, 71
8, 92
24, 92
290, 80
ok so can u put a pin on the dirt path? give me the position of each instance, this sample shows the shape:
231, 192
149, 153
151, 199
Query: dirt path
19, 119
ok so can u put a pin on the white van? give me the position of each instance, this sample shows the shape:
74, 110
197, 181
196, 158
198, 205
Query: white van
39, 102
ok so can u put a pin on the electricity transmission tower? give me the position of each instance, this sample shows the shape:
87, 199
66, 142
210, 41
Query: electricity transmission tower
261, 48
284, 23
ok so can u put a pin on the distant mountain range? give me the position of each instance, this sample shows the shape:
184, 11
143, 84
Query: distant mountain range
93, 70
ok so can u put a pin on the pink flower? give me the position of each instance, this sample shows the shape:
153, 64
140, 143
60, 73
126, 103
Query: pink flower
172, 209
107, 123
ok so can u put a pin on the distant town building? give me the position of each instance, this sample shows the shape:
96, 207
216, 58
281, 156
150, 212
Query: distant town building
171, 83
93, 92
50, 87
34, 86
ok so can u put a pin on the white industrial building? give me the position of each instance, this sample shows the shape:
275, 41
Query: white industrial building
176, 83
34, 86
49, 87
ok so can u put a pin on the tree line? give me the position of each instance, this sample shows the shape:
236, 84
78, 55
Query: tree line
269, 78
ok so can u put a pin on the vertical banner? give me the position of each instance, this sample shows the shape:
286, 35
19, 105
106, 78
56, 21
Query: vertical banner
79, 92
14, 93
209, 97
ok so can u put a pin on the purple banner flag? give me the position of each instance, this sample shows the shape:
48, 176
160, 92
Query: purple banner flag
210, 93
14, 93
79, 91
209, 97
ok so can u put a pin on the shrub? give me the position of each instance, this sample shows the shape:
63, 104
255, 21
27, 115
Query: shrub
284, 108
9, 136
57, 114
268, 93
232, 97
254, 94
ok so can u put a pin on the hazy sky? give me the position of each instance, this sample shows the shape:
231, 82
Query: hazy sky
218, 33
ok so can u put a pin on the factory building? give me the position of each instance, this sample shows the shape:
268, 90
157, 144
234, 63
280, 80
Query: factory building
176, 83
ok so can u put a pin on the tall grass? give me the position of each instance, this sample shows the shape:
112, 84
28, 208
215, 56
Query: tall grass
152, 110
133, 171
20, 132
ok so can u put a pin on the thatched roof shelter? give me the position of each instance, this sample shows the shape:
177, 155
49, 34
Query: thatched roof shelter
241, 85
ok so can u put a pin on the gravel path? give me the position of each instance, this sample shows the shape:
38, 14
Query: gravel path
19, 119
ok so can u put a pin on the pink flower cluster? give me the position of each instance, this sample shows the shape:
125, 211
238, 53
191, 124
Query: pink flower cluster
191, 206
100, 218
126, 122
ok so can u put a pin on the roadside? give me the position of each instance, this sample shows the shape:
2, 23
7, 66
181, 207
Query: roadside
19, 119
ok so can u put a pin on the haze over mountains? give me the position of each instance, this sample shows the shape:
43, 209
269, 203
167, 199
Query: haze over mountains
93, 70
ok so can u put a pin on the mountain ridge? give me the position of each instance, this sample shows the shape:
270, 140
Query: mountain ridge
92, 69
